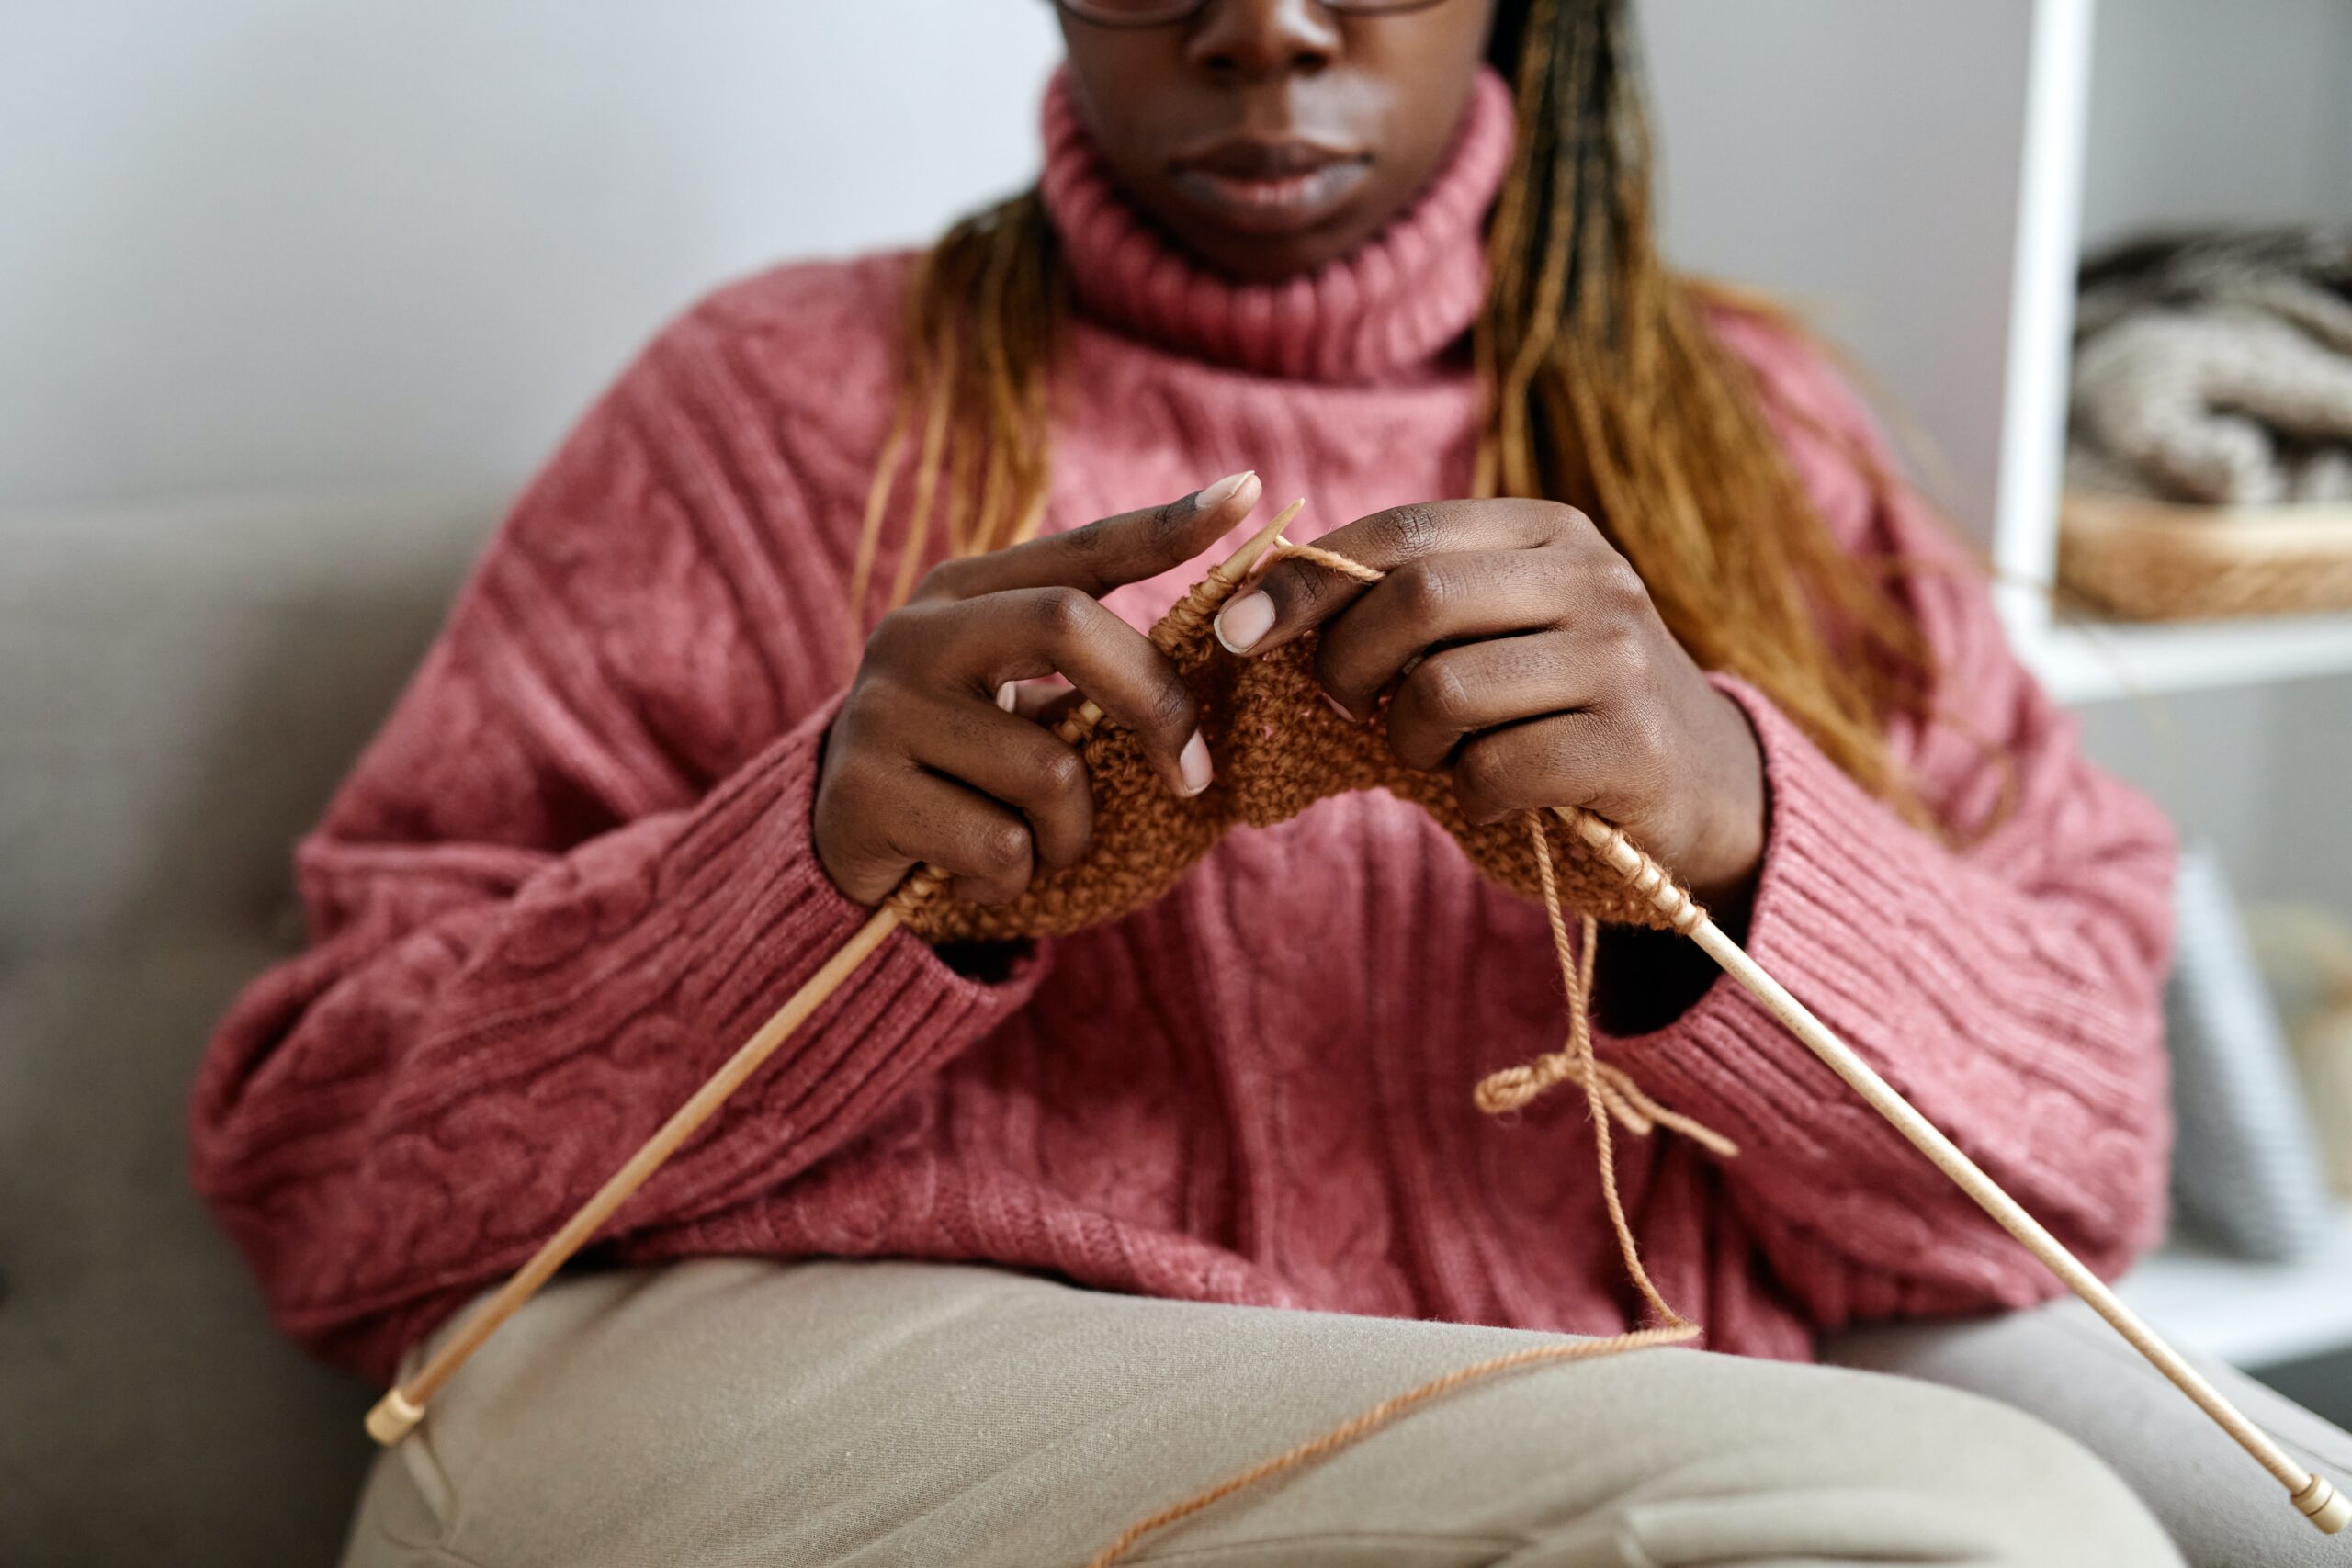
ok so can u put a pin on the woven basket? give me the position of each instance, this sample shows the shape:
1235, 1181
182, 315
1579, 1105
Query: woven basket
2152, 560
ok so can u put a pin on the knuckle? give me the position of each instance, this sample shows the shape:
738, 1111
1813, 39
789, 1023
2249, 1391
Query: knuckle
910, 638
1294, 589
849, 725
1479, 779
1062, 771
1549, 576
1001, 849
1619, 585
1571, 520
889, 636
1170, 710
1064, 613
1444, 695
865, 713
857, 872
944, 580
876, 806
1415, 530
1425, 589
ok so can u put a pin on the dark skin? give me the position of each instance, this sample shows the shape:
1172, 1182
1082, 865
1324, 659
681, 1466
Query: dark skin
1360, 111
1510, 644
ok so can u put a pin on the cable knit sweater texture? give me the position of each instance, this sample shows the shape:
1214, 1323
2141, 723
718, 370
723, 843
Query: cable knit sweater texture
573, 871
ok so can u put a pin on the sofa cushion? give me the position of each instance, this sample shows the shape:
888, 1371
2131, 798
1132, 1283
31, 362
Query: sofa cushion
148, 1411
180, 688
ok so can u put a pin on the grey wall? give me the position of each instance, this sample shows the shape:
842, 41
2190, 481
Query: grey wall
2264, 774
1861, 158
266, 243
2219, 111
251, 245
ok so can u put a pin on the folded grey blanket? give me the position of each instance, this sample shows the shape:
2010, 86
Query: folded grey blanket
2217, 370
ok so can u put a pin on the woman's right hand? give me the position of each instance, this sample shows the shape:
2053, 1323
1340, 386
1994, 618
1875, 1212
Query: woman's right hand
924, 764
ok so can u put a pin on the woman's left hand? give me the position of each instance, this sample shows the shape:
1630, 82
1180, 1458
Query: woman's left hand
1544, 677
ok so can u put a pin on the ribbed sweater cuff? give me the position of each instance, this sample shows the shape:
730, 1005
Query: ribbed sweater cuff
769, 918
1965, 992
1836, 920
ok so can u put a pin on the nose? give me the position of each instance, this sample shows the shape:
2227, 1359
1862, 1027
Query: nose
1260, 40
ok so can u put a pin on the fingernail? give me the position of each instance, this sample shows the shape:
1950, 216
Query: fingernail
1008, 696
1241, 624
1217, 494
1334, 704
1193, 763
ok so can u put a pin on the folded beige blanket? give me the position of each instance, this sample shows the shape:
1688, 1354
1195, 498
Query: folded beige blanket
2217, 370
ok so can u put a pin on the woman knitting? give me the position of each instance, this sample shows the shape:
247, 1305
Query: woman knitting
1018, 1241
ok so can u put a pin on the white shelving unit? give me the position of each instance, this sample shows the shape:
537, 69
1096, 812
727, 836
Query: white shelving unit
1914, 179
2253, 1314
2095, 662
1920, 181
2098, 661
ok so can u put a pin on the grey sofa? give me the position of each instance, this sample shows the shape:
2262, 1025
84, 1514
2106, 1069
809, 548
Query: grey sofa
180, 688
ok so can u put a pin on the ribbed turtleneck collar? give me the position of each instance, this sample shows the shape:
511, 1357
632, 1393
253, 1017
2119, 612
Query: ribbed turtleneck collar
1391, 305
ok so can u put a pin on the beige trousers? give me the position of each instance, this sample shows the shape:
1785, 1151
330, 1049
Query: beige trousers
2059, 1363
733, 1412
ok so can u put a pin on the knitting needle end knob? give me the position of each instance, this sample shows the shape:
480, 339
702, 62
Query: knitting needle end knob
394, 1418
2325, 1506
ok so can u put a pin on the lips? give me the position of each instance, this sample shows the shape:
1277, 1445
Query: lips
1249, 158
1270, 186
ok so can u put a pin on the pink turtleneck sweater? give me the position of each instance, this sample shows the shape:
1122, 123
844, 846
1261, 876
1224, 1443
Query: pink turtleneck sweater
573, 872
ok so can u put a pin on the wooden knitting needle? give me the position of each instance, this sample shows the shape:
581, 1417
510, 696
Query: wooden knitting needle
397, 1413
2327, 1508
2320, 1502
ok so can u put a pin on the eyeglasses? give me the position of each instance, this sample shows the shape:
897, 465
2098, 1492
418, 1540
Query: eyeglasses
1161, 13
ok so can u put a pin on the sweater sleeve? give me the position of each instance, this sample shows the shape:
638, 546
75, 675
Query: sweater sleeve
2007, 979
569, 877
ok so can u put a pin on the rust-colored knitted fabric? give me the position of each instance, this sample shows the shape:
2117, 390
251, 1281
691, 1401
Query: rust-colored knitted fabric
1279, 747
1286, 749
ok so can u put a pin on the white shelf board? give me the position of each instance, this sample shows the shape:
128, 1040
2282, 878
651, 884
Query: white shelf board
2101, 662
2249, 1315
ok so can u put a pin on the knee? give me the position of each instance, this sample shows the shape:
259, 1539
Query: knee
1815, 1465
1996, 1485
1719, 1462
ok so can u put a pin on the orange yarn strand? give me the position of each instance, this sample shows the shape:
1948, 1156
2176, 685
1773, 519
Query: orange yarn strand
1359, 1428
1611, 1093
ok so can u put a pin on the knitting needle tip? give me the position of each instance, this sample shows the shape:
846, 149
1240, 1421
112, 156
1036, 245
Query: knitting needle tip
1236, 565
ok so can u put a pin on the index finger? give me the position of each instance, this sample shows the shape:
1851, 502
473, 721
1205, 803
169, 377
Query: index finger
1295, 596
1105, 555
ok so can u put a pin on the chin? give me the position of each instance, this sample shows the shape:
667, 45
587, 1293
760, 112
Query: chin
1269, 258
